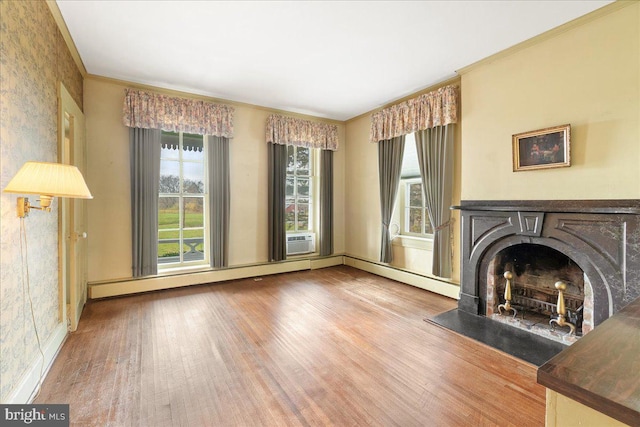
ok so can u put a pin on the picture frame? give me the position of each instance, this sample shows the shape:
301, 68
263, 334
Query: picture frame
542, 149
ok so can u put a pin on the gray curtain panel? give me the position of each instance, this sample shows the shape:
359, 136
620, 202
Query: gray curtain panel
326, 202
276, 194
435, 157
390, 152
145, 181
219, 200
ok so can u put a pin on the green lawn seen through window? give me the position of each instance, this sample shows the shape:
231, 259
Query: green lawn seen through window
168, 221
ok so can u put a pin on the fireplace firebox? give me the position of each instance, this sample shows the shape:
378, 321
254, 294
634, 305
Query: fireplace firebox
588, 251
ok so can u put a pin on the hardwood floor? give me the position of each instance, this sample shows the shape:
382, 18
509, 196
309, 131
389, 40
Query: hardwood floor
336, 346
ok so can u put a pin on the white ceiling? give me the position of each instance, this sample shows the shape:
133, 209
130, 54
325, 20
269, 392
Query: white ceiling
333, 59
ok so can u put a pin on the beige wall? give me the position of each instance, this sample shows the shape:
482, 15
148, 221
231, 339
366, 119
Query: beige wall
108, 178
35, 59
589, 77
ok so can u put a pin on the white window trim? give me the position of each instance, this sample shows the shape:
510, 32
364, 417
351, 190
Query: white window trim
182, 266
403, 213
314, 211
414, 242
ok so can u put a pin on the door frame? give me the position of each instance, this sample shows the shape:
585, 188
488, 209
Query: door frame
68, 258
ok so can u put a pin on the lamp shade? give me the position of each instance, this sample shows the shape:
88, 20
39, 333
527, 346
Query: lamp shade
49, 179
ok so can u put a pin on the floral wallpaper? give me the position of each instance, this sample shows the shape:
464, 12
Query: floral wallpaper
33, 59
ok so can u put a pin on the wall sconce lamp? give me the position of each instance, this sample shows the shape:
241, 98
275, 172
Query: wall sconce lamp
48, 180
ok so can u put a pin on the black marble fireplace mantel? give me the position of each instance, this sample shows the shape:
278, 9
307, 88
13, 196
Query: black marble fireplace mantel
601, 236
617, 206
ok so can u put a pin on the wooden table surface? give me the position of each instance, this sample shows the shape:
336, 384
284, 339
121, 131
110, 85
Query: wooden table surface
602, 369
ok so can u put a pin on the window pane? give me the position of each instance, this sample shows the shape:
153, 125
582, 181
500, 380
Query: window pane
168, 215
193, 212
169, 252
291, 163
298, 189
169, 177
410, 167
290, 216
169, 246
193, 176
168, 234
303, 163
193, 248
303, 217
303, 187
415, 195
415, 220
289, 187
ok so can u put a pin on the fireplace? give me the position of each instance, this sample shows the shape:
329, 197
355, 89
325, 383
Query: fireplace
589, 248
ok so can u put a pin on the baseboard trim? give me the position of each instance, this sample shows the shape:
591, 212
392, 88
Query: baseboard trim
437, 286
156, 283
27, 389
327, 262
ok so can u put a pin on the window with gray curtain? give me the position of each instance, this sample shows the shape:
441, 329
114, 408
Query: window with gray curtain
435, 157
390, 152
145, 178
277, 192
293, 195
146, 186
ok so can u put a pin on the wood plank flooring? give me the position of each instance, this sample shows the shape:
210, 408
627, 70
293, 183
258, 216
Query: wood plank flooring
336, 346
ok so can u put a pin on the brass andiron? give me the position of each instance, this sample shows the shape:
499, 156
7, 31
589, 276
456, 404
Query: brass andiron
507, 295
560, 320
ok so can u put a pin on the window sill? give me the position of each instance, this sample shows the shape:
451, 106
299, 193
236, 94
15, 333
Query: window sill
168, 271
424, 243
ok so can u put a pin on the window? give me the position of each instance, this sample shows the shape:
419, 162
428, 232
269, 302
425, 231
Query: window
182, 202
414, 218
299, 189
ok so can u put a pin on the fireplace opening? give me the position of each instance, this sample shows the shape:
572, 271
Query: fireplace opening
534, 297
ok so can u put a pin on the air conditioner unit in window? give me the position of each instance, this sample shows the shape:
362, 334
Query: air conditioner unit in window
301, 243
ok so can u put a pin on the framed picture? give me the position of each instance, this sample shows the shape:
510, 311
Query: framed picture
542, 149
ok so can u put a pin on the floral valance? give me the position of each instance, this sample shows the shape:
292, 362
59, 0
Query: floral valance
285, 130
437, 108
150, 110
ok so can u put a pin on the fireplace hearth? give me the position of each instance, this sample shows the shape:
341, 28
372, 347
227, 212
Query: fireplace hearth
591, 247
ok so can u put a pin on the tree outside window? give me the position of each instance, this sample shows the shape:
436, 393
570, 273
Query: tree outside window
299, 188
416, 218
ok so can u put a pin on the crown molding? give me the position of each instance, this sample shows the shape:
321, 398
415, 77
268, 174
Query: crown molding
183, 94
